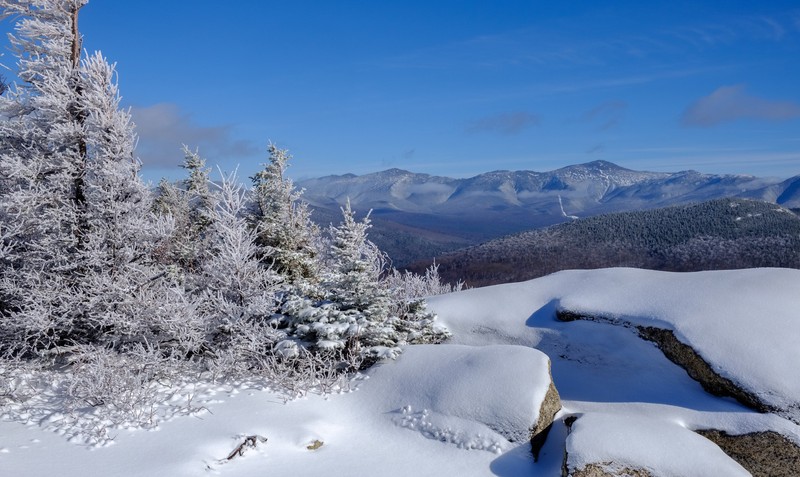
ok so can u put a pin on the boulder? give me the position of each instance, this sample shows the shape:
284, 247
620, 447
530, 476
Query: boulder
453, 393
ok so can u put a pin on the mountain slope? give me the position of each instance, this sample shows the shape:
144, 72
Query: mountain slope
717, 234
419, 214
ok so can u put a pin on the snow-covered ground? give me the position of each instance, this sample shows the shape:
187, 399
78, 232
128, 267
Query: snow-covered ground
461, 408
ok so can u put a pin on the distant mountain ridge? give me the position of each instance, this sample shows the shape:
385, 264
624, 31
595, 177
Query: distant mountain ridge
407, 206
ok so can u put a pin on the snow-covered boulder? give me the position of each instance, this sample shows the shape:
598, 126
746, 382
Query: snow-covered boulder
744, 324
602, 445
465, 394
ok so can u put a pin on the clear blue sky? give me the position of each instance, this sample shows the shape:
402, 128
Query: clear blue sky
459, 87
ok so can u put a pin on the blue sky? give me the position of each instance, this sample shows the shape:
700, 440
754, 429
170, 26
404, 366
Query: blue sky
458, 88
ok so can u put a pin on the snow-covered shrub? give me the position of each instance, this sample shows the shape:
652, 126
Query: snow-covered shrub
412, 286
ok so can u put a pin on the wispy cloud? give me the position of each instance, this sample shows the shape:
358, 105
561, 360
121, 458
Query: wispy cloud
730, 103
510, 123
163, 128
606, 115
564, 45
773, 28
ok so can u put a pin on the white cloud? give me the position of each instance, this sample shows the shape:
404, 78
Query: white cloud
730, 103
606, 115
163, 128
510, 123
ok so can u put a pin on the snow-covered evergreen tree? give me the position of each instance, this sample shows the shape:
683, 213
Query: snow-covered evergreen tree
77, 265
358, 310
287, 236
238, 290
43, 166
189, 204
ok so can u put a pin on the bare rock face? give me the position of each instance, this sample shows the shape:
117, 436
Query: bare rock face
550, 406
686, 357
607, 470
766, 454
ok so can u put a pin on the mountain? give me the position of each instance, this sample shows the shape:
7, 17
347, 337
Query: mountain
786, 193
712, 235
421, 213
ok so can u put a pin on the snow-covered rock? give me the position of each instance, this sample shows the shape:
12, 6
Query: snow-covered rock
618, 444
442, 390
743, 323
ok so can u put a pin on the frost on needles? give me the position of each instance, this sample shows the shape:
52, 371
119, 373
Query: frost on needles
113, 291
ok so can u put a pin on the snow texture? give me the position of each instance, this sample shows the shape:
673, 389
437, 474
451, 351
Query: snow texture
451, 380
657, 445
446, 409
744, 323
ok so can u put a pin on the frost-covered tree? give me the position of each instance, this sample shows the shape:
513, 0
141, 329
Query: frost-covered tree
287, 236
358, 311
43, 156
119, 289
354, 267
42, 146
238, 290
75, 214
353, 314
190, 204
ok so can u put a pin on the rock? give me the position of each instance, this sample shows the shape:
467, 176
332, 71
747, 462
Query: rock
766, 454
604, 469
547, 412
607, 469
456, 393
603, 444
687, 358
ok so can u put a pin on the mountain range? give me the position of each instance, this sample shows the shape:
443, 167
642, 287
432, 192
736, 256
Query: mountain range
418, 216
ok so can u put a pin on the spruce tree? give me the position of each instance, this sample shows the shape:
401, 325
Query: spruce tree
78, 235
189, 204
43, 163
282, 222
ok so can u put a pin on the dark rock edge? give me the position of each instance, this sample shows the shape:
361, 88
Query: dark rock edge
765, 453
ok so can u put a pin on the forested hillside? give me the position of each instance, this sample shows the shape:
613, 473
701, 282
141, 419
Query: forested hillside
713, 235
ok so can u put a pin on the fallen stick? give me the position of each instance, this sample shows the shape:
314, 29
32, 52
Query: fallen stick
249, 442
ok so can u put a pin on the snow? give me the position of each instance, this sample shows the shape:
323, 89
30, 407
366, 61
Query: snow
436, 410
752, 313
745, 323
501, 386
463, 408
630, 440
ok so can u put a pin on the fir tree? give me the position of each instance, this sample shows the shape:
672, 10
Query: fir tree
282, 222
77, 233
238, 290
190, 207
